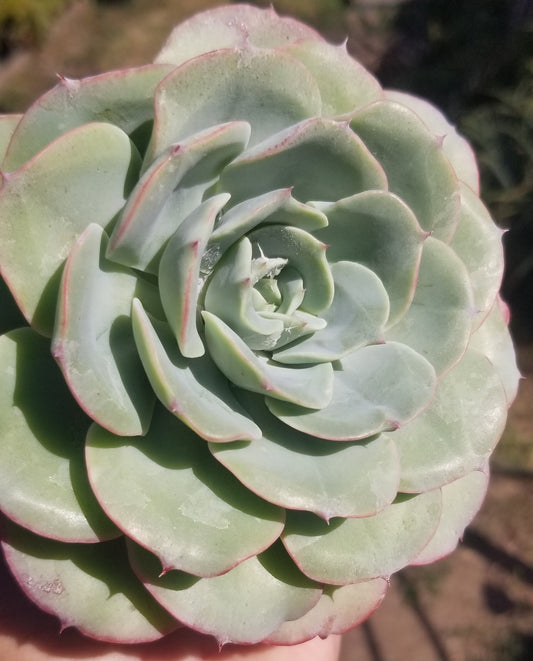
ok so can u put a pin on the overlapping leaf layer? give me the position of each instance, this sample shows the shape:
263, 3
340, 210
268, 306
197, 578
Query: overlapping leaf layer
253, 349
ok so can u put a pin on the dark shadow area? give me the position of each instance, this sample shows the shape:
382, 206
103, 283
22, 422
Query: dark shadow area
479, 543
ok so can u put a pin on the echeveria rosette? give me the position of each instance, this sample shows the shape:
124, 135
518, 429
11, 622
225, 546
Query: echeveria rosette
261, 362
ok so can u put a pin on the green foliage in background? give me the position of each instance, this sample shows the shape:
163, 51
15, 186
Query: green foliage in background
24, 22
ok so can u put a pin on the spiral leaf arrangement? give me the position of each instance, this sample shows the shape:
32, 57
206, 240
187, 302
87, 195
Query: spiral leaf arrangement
253, 348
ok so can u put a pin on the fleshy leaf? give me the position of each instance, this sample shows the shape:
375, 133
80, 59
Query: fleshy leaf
267, 89
493, 340
357, 316
194, 390
338, 610
123, 98
455, 147
242, 606
478, 242
461, 501
377, 388
344, 84
346, 550
167, 481
169, 190
320, 158
331, 480
416, 167
8, 124
91, 166
93, 339
226, 27
44, 485
179, 274
439, 321
306, 386
89, 586
378, 230
456, 434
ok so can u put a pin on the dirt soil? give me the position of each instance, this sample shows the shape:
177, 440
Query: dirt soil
475, 605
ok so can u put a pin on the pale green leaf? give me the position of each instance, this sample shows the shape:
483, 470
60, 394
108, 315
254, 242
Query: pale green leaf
416, 167
376, 388
457, 433
83, 177
8, 124
243, 605
302, 472
88, 586
93, 339
194, 390
43, 484
352, 550
166, 492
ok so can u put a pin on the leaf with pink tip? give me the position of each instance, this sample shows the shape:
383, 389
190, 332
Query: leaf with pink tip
93, 339
123, 98
376, 388
332, 479
438, 323
461, 501
320, 158
306, 386
43, 483
352, 550
193, 390
343, 82
87, 586
338, 610
227, 27
242, 606
456, 149
266, 88
83, 177
416, 167
457, 433
167, 493
172, 187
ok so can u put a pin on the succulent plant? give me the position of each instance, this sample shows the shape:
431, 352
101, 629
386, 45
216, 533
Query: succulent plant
257, 355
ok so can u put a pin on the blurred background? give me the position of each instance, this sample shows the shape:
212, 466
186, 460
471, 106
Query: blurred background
474, 59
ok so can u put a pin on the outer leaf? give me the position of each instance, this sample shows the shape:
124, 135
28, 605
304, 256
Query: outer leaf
455, 147
306, 386
267, 89
8, 124
226, 27
438, 323
357, 316
320, 158
352, 550
179, 274
81, 178
478, 242
378, 230
89, 586
93, 340
263, 592
167, 493
338, 610
194, 390
122, 98
412, 157
377, 388
461, 501
43, 483
344, 83
457, 433
493, 340
170, 190
331, 479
